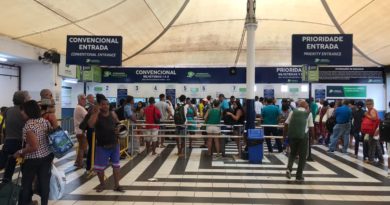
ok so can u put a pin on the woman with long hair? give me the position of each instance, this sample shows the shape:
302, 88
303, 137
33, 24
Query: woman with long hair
238, 118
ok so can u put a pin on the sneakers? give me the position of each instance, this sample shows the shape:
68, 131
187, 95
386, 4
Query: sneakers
300, 179
288, 174
119, 189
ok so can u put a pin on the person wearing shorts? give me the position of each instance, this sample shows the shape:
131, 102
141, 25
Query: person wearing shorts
213, 119
152, 135
152, 115
107, 142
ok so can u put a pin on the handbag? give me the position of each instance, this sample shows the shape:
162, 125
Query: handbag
369, 126
330, 123
324, 118
317, 119
60, 143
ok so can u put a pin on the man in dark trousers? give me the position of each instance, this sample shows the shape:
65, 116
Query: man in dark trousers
14, 123
297, 128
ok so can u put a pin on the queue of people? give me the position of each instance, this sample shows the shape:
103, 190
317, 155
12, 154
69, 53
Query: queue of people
25, 128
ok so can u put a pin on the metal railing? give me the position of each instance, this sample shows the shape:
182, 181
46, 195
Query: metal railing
67, 125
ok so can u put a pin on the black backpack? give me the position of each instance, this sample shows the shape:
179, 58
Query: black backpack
330, 123
227, 119
179, 116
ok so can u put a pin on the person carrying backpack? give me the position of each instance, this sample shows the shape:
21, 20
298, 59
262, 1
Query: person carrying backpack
180, 120
191, 114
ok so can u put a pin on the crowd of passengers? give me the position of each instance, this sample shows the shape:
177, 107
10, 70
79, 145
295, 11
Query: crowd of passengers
26, 125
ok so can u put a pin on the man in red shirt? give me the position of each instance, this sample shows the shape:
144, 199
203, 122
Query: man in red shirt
152, 116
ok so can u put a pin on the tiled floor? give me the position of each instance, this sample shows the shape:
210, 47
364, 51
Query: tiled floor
199, 179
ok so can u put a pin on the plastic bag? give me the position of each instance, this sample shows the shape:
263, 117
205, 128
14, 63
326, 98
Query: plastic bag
57, 183
60, 143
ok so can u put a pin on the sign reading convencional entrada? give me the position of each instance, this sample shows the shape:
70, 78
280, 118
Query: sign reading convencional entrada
329, 49
94, 50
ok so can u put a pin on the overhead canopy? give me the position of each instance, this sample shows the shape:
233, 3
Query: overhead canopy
200, 32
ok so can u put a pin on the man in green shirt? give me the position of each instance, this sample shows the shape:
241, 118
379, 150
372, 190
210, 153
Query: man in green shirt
270, 115
297, 128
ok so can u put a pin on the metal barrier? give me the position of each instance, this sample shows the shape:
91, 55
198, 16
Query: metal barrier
67, 125
170, 127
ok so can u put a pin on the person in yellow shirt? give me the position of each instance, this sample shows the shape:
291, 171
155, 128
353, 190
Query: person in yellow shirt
2, 124
201, 107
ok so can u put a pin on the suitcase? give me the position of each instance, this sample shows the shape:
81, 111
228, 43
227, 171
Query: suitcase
9, 191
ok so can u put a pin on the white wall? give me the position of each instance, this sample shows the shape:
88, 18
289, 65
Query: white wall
374, 91
19, 49
8, 86
76, 89
38, 76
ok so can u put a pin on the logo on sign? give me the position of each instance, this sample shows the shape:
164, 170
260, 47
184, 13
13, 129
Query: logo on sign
190, 74
335, 91
107, 74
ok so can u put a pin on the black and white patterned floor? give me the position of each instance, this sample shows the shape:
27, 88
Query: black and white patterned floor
199, 179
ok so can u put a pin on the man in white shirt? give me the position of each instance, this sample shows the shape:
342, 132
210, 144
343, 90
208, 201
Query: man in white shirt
165, 113
78, 116
297, 128
258, 106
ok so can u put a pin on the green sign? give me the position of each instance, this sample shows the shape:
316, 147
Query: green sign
293, 90
346, 91
90, 74
194, 90
97, 74
242, 90
310, 74
98, 89
313, 74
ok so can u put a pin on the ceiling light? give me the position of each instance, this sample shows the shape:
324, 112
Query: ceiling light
304, 88
3, 59
284, 88
71, 80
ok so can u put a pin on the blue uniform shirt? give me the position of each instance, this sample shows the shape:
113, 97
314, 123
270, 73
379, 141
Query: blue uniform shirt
224, 105
127, 111
270, 114
343, 114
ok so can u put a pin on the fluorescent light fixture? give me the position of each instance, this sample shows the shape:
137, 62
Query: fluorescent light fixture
304, 88
284, 88
255, 89
71, 80
3, 59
